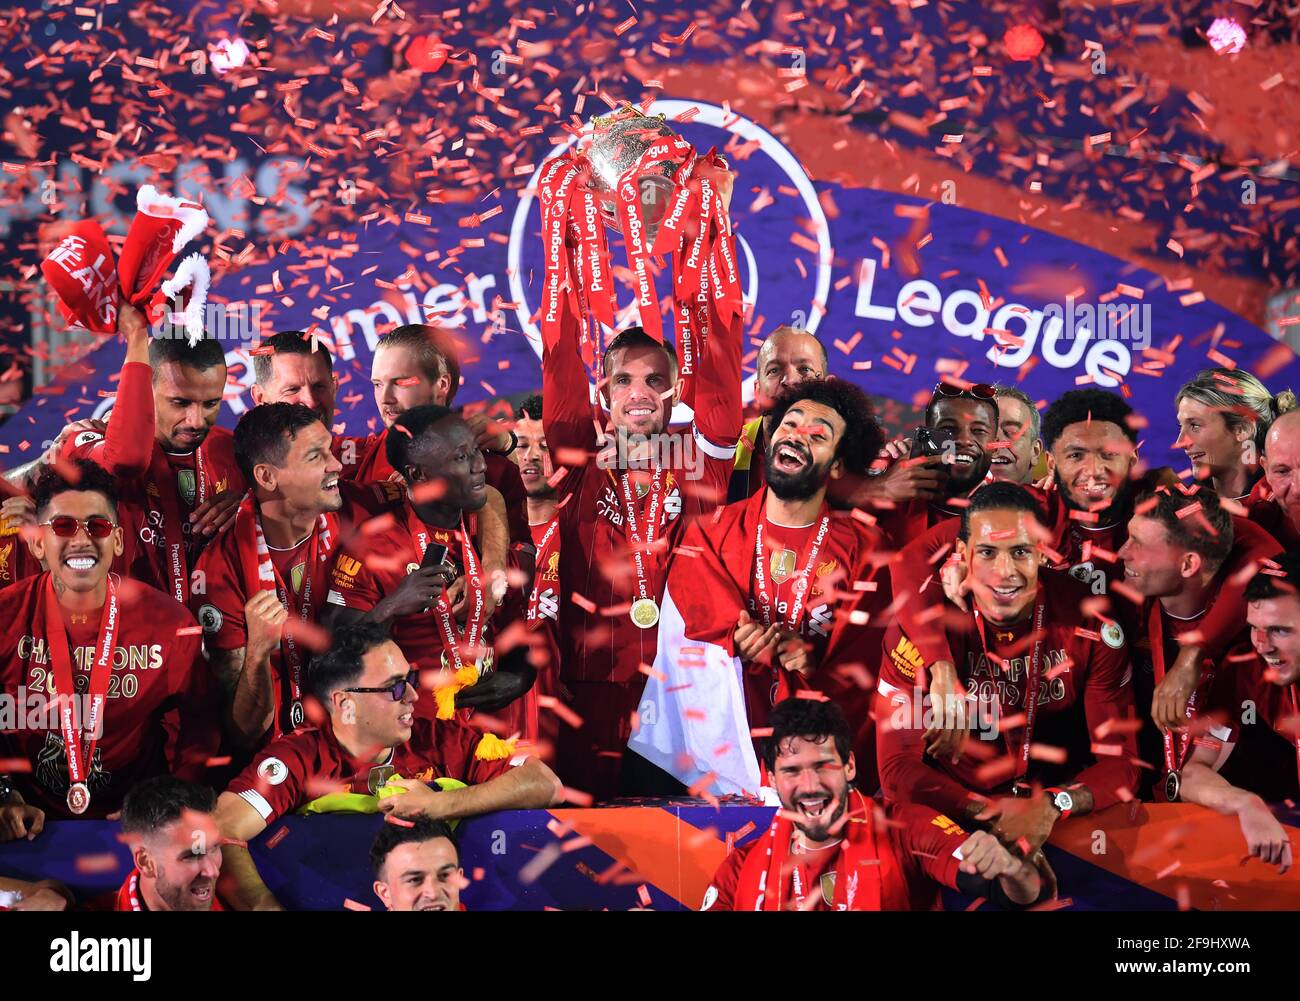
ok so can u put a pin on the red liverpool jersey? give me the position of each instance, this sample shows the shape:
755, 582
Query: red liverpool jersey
158, 675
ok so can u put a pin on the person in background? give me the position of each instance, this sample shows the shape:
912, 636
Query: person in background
1223, 418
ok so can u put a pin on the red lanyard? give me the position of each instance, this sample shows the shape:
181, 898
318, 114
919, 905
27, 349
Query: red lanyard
474, 590
1295, 711
801, 583
318, 551
1031, 678
543, 554
1174, 758
641, 546
79, 757
173, 526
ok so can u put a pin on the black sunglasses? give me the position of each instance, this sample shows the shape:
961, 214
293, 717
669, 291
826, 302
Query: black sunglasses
397, 689
978, 390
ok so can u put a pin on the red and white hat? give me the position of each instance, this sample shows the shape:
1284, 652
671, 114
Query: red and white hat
90, 286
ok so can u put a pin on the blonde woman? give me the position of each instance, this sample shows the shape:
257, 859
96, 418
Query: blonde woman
1223, 416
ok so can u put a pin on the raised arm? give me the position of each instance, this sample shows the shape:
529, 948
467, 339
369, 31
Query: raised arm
566, 399
240, 884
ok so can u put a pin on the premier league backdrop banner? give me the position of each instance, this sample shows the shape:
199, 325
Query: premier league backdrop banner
383, 170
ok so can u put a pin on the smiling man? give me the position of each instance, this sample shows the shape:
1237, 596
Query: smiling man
128, 650
263, 583
1274, 503
1016, 452
775, 594
370, 744
417, 868
832, 848
1027, 650
620, 524
177, 479
1260, 691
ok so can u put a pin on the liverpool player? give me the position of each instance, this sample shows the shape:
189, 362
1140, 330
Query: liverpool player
786, 358
417, 868
175, 846
1223, 416
951, 455
273, 567
778, 588
177, 479
1265, 685
832, 848
621, 523
370, 739
1187, 557
1028, 632
424, 557
128, 657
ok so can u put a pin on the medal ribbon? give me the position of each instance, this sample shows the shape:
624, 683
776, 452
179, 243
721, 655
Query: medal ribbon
641, 547
79, 757
765, 604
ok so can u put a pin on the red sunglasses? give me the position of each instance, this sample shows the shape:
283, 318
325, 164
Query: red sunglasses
65, 526
979, 390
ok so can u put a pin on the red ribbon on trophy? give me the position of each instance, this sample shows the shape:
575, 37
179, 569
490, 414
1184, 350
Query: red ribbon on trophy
650, 185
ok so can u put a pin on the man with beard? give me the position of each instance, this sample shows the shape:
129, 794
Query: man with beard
177, 479
1187, 558
127, 654
832, 848
423, 556
537, 471
175, 846
263, 582
1030, 654
1266, 681
965, 420
773, 594
371, 744
620, 524
417, 868
787, 358
1274, 503
1014, 455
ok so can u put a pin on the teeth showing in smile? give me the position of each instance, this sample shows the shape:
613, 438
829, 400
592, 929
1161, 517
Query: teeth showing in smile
789, 455
964, 460
814, 808
80, 562
640, 412
1006, 592
330, 484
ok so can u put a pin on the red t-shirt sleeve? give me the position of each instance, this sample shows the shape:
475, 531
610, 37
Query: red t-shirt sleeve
927, 842
1108, 695
220, 606
718, 417
275, 782
504, 475
126, 449
905, 774
721, 894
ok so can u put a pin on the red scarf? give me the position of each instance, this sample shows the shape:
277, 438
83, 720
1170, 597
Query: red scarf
867, 878
128, 895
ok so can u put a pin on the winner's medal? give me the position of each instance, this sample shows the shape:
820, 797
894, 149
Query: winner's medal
645, 613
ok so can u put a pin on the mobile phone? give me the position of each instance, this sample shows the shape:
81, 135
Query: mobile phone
930, 443
435, 555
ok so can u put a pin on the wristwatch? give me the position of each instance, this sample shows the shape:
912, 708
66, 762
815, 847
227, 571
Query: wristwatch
1060, 799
